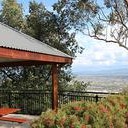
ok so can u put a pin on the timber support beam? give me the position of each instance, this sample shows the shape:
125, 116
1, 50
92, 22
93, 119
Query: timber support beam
54, 87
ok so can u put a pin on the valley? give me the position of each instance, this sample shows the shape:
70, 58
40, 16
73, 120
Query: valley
104, 83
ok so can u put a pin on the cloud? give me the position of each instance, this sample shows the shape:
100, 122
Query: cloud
98, 54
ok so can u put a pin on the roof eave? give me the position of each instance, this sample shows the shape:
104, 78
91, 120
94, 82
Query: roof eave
22, 56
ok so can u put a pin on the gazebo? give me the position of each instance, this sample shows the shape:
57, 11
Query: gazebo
19, 49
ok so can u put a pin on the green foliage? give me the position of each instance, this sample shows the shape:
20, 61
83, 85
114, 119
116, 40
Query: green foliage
105, 20
51, 28
12, 14
75, 85
78, 13
108, 113
47, 26
97, 29
26, 78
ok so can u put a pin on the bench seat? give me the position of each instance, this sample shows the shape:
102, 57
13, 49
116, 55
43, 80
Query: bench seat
12, 119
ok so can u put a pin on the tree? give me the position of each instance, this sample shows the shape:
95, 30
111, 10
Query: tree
12, 14
50, 28
105, 20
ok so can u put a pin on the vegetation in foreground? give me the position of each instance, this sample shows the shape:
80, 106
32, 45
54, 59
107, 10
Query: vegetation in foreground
111, 112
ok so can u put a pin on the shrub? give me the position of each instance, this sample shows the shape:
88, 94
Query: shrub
111, 112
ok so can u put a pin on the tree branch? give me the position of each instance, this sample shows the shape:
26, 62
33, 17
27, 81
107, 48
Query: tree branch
109, 41
126, 2
9, 76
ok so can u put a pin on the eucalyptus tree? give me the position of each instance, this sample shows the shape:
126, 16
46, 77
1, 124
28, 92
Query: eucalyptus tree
51, 28
105, 20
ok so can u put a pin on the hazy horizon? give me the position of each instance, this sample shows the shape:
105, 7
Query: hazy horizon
102, 71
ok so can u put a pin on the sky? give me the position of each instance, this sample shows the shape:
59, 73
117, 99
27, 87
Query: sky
47, 3
97, 55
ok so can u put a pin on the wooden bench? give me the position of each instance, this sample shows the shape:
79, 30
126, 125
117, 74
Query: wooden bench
12, 119
5, 111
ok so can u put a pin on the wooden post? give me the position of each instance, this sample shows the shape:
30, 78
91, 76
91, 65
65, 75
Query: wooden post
54, 87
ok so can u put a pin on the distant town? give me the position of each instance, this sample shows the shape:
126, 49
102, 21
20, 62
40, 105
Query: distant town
105, 81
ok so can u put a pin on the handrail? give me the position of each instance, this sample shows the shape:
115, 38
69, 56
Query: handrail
41, 91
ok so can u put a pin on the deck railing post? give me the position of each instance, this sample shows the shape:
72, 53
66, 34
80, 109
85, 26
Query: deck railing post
96, 98
9, 99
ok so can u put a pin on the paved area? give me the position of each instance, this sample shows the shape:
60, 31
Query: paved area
5, 124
